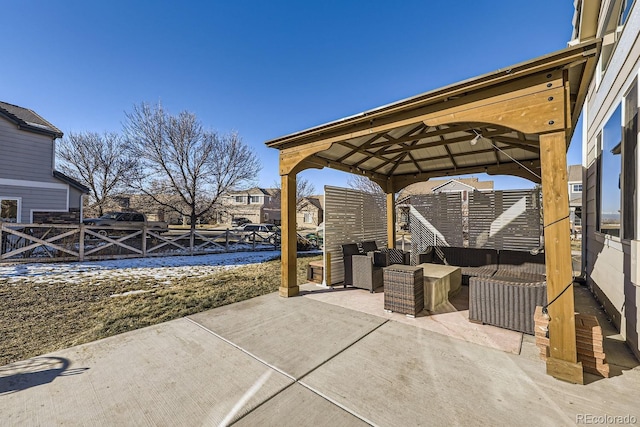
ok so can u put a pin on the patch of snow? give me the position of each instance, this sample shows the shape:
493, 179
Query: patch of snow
161, 269
124, 294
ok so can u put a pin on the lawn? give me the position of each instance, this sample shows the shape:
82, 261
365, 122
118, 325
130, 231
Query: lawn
39, 317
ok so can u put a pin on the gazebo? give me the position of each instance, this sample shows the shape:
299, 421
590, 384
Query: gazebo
514, 121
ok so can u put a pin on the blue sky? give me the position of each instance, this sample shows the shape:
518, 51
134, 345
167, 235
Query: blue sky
264, 69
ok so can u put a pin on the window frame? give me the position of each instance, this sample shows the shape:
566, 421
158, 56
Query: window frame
602, 140
18, 201
629, 166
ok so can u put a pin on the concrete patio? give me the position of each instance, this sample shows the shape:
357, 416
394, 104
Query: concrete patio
329, 357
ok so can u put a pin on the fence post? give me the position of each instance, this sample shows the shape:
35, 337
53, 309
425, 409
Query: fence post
81, 243
192, 238
253, 237
144, 241
226, 243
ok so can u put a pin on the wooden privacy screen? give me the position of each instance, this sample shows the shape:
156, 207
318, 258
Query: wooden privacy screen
495, 220
351, 216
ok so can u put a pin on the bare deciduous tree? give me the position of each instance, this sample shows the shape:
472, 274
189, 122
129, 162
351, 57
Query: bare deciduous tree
180, 165
304, 189
362, 183
98, 161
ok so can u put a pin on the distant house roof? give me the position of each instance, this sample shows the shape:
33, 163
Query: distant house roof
28, 120
256, 190
574, 173
575, 202
428, 187
72, 182
314, 200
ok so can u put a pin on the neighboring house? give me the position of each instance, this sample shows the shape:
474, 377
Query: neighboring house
31, 190
574, 178
310, 211
457, 185
433, 186
610, 220
258, 205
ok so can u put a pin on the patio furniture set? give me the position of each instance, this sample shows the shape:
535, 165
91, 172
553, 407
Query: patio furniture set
408, 289
505, 286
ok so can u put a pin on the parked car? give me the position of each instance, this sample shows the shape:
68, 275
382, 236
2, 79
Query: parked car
127, 219
268, 232
264, 228
238, 222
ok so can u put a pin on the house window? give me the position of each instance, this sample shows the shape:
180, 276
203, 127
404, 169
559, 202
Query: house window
239, 199
577, 188
254, 199
308, 218
610, 175
629, 164
626, 8
265, 217
612, 31
9, 210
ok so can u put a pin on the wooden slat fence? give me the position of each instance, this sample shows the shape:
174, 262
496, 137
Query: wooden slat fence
79, 242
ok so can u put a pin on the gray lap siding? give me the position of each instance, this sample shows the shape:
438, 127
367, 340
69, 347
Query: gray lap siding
25, 155
36, 199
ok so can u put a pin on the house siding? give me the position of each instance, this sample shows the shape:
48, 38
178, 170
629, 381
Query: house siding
36, 199
607, 260
25, 155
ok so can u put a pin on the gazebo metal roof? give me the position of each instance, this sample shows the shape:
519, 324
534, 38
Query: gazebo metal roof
410, 139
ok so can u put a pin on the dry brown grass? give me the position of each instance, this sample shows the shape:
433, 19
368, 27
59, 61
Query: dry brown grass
37, 319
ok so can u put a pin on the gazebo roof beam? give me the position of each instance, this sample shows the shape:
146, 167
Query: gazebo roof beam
356, 150
415, 162
407, 136
423, 135
345, 168
387, 161
421, 145
512, 142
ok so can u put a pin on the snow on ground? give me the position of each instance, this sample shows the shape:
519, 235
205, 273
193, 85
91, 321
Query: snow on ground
162, 269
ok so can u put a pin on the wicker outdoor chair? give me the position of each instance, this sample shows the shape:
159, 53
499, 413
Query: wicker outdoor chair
368, 246
366, 275
389, 256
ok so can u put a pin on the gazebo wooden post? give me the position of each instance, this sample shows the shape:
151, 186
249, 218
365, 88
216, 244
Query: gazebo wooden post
391, 217
562, 363
289, 282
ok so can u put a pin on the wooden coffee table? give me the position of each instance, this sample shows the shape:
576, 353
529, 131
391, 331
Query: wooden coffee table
440, 282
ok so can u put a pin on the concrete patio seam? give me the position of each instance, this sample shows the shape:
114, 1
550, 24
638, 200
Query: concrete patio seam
243, 350
344, 408
308, 387
338, 404
344, 349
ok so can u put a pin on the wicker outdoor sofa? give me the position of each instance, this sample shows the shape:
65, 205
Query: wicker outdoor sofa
505, 286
